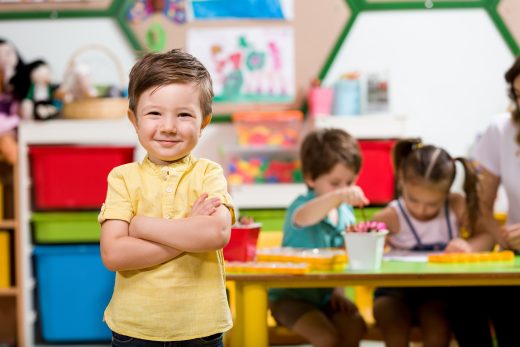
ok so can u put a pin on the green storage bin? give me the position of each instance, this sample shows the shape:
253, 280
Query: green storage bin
272, 220
369, 212
65, 227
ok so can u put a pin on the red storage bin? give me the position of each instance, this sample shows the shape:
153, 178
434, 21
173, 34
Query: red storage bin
73, 177
376, 177
242, 244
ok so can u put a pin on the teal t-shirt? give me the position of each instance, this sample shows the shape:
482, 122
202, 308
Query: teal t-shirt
321, 235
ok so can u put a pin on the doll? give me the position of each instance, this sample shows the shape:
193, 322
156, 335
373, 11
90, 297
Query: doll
14, 84
39, 102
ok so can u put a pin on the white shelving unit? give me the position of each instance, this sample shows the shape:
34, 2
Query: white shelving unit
377, 126
380, 126
56, 132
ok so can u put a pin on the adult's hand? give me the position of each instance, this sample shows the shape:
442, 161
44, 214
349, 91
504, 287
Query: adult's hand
511, 235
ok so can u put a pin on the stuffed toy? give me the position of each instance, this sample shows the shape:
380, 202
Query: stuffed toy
39, 103
14, 85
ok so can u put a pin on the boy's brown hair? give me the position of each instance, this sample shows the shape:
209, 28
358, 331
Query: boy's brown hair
175, 66
322, 149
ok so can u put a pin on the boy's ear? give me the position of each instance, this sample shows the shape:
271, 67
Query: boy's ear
205, 121
308, 181
132, 118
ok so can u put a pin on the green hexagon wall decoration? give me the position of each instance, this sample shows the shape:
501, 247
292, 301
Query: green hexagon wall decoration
505, 14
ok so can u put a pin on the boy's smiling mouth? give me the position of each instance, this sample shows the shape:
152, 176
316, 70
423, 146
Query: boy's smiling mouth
168, 143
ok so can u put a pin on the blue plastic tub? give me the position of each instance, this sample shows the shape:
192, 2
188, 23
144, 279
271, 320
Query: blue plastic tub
73, 290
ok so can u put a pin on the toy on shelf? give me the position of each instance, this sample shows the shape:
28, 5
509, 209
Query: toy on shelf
80, 96
316, 258
271, 129
40, 103
14, 84
452, 258
267, 268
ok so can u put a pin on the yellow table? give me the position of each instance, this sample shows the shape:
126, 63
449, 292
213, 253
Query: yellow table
250, 325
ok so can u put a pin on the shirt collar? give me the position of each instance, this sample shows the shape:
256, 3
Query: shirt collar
177, 166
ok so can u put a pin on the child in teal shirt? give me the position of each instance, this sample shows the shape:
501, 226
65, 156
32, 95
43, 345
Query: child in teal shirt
331, 161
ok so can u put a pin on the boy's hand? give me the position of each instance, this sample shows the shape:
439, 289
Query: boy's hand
458, 246
341, 303
353, 195
511, 234
204, 206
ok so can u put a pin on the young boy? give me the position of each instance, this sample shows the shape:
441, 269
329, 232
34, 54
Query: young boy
166, 219
330, 160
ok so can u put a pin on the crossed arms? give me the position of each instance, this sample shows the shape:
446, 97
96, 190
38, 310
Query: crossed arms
149, 241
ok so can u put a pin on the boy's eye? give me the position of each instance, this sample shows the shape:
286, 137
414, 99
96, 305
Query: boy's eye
153, 113
184, 114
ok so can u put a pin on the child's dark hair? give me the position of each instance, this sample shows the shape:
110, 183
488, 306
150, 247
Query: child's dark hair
511, 75
415, 162
175, 66
323, 149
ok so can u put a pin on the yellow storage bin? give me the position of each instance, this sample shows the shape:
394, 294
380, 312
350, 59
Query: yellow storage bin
5, 267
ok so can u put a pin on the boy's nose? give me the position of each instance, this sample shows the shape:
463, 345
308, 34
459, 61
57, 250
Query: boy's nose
169, 124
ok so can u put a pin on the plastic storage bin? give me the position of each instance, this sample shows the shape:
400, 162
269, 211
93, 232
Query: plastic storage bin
274, 129
73, 177
74, 289
242, 244
5, 262
65, 227
256, 165
376, 177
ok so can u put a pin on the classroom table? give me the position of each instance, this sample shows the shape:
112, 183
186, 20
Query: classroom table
250, 304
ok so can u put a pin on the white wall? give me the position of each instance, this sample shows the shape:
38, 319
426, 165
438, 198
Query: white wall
445, 67
55, 41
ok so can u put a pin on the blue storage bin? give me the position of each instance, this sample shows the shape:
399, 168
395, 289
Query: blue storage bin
74, 289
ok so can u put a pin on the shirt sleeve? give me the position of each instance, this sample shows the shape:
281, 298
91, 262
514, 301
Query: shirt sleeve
118, 203
215, 185
487, 153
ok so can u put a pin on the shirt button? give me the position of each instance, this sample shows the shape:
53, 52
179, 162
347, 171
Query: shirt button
169, 190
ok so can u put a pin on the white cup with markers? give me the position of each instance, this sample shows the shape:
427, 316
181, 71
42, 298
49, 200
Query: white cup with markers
365, 244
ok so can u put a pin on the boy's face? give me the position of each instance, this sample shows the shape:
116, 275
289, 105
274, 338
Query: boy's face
340, 176
168, 121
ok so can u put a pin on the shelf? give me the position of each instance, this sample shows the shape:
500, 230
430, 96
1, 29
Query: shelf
8, 291
7, 224
266, 195
377, 126
96, 132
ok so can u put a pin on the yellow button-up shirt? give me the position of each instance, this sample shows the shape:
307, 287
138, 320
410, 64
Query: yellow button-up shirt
184, 298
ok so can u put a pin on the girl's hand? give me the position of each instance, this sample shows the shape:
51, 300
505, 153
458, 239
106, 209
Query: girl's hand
353, 195
511, 234
340, 303
458, 246
204, 206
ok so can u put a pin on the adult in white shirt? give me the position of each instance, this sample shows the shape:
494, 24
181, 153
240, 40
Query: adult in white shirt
498, 156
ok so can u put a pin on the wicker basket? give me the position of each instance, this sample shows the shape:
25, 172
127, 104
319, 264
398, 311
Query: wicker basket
90, 108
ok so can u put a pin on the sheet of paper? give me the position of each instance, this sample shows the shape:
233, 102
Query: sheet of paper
407, 256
